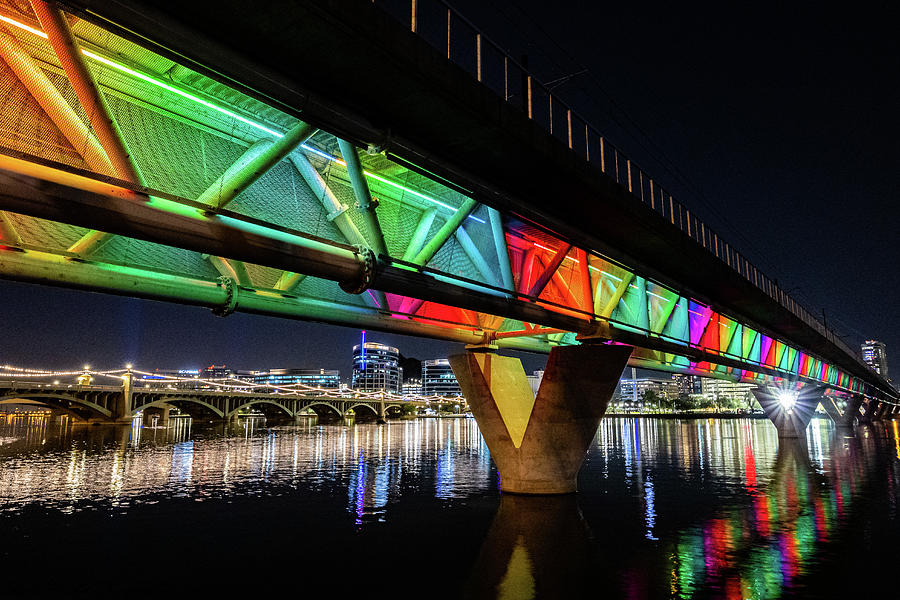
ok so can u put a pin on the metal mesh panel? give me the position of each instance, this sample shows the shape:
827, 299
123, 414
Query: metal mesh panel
324, 289
398, 221
511, 325
25, 127
173, 157
307, 213
451, 258
281, 196
483, 238
263, 277
156, 256
45, 234
344, 193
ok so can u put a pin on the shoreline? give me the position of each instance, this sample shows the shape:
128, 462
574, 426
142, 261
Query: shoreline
720, 415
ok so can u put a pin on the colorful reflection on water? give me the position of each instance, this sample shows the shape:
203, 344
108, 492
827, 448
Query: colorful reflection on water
666, 508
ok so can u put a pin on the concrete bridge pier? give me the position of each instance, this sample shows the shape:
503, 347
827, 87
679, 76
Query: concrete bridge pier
790, 410
162, 416
539, 443
870, 409
845, 418
122, 410
381, 419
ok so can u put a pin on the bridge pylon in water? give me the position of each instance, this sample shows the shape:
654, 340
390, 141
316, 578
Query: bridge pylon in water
539, 442
791, 409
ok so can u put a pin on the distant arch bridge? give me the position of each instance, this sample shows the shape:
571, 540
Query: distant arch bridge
110, 403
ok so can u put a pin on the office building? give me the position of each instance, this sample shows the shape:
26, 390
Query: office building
412, 387
534, 380
438, 378
875, 355
631, 390
687, 384
320, 378
376, 367
719, 390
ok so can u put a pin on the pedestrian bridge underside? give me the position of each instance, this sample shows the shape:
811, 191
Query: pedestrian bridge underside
136, 175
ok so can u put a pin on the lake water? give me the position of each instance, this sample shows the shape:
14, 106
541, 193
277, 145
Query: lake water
690, 508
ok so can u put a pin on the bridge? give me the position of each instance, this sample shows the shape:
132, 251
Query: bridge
216, 399
385, 165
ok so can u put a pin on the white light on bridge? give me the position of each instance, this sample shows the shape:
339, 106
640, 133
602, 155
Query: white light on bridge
787, 400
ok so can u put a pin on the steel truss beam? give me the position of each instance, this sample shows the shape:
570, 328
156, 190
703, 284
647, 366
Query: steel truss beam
58, 269
41, 191
62, 195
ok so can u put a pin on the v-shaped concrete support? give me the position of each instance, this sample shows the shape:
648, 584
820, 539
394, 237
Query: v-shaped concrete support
538, 444
790, 421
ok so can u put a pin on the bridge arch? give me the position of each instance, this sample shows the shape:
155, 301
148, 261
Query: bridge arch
60, 402
327, 409
176, 402
367, 414
154, 404
389, 407
259, 401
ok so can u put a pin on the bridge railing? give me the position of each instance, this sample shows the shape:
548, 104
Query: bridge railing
463, 43
144, 381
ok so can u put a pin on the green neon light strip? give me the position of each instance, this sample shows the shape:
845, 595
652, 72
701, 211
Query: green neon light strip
175, 90
371, 175
161, 84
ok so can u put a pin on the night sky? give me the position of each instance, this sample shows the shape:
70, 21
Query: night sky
779, 126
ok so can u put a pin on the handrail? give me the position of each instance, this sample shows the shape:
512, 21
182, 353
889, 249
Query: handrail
511, 80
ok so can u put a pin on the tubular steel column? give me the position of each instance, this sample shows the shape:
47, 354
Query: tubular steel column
54, 105
538, 443
506, 275
363, 196
236, 270
419, 235
475, 256
444, 233
547, 274
60, 36
337, 213
8, 233
288, 281
256, 161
